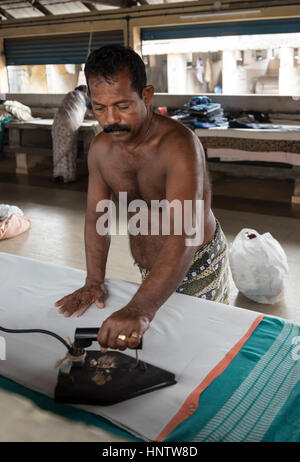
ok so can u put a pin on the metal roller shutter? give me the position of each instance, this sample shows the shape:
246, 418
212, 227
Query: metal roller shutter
56, 49
221, 29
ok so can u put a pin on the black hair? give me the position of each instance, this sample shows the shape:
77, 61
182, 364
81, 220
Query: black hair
110, 59
82, 88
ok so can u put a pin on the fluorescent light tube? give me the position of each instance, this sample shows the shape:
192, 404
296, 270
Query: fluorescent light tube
223, 13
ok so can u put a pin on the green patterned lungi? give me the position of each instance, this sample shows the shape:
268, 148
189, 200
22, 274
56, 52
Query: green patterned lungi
208, 276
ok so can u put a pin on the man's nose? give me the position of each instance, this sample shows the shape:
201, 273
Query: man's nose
112, 116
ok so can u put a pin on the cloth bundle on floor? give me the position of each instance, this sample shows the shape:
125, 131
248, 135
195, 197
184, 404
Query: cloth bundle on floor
12, 221
259, 266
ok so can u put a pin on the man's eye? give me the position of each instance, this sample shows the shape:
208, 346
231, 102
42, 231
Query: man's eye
100, 109
123, 108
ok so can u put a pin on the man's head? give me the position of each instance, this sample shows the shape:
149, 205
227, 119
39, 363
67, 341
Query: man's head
117, 86
109, 60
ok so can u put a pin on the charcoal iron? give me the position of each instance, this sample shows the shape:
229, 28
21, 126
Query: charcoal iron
106, 378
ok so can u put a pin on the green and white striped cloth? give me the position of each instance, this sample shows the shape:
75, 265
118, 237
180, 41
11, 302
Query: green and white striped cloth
257, 397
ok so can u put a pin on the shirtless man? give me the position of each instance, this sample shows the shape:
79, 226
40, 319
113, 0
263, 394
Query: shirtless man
150, 157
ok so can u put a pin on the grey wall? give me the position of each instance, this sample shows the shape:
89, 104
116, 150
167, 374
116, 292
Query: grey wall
264, 103
45, 105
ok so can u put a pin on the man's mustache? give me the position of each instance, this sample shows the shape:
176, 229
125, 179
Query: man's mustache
116, 128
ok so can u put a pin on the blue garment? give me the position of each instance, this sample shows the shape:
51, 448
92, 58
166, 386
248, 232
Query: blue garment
199, 100
2, 126
205, 108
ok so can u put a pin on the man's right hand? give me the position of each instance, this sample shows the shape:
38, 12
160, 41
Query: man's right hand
80, 300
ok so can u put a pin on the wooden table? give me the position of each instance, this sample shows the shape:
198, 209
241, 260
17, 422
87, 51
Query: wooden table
269, 152
33, 138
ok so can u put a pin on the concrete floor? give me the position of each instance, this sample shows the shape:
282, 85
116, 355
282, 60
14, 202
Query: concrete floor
57, 216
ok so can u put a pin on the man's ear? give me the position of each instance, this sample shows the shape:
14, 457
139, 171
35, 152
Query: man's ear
148, 93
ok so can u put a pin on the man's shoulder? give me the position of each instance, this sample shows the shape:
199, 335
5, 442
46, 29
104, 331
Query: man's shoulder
173, 129
101, 140
99, 146
176, 137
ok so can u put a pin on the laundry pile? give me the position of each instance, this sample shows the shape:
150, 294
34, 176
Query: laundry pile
12, 110
12, 221
16, 109
250, 120
200, 112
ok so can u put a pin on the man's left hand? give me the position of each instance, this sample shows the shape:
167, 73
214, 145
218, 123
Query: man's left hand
123, 329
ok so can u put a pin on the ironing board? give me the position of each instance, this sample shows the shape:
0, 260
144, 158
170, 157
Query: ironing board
237, 371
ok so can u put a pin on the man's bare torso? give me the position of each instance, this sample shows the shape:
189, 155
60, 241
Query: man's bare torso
140, 172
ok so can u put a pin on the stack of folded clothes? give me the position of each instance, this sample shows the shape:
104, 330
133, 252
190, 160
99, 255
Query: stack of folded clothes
200, 112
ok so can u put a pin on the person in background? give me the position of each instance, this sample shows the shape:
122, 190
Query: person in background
66, 122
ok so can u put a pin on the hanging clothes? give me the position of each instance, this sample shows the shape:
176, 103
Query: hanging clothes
66, 123
208, 76
199, 69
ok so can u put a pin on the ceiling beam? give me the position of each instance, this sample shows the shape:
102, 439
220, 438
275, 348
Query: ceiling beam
36, 4
117, 3
90, 6
5, 13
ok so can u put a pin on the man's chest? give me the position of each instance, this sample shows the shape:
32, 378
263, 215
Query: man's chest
142, 180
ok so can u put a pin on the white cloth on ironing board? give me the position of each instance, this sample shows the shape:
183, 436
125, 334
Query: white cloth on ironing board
188, 337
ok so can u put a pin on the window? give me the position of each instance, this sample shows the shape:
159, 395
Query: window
53, 63
45, 78
227, 58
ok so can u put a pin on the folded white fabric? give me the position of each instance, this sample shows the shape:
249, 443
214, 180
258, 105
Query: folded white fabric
188, 337
19, 110
6, 210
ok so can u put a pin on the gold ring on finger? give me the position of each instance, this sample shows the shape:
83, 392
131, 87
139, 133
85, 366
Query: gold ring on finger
136, 335
122, 337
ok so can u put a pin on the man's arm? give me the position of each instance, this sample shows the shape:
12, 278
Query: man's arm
184, 168
96, 246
